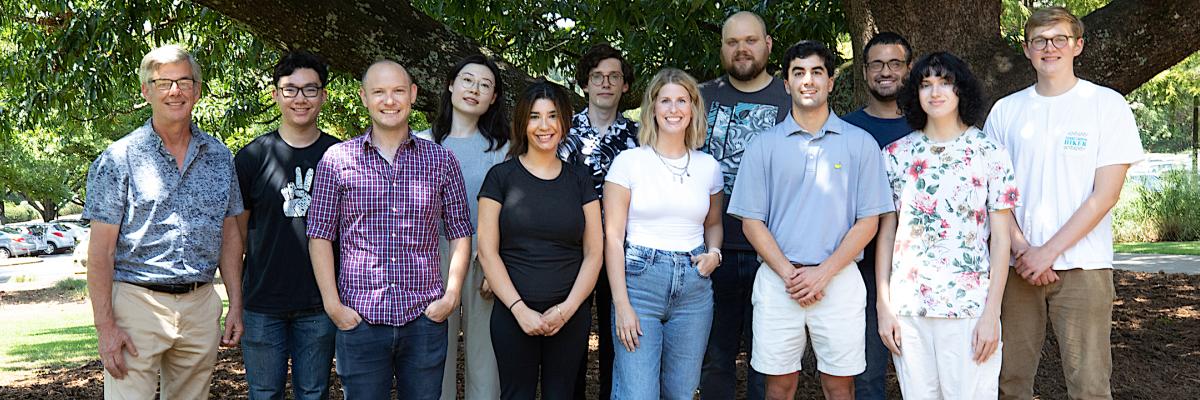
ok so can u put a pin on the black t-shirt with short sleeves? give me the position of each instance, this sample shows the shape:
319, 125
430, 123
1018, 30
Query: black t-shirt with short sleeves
276, 181
541, 226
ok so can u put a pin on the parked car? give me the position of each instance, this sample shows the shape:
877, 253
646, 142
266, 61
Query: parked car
80, 255
50, 240
15, 242
59, 238
78, 230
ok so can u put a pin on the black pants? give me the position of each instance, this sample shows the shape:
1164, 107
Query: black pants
522, 359
603, 299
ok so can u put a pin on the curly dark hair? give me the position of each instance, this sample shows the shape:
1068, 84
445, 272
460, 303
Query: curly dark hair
592, 58
950, 68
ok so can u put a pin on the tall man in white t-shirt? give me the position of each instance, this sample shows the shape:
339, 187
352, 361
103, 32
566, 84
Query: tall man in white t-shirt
1071, 142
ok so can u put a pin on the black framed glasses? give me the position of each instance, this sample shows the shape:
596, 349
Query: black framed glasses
164, 85
614, 78
309, 91
892, 65
1059, 41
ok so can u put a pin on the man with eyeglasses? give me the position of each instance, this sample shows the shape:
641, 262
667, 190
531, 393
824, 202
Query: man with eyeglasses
598, 133
163, 201
283, 314
886, 60
1071, 142
740, 104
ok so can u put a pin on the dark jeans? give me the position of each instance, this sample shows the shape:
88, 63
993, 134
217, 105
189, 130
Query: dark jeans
371, 357
271, 339
731, 329
872, 383
523, 360
603, 299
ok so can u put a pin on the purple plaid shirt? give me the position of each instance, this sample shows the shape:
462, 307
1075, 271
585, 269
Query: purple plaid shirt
385, 218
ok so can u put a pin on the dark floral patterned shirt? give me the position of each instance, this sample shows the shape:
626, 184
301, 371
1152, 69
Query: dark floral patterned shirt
586, 146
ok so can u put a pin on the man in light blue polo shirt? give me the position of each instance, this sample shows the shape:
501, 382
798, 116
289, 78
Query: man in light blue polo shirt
809, 193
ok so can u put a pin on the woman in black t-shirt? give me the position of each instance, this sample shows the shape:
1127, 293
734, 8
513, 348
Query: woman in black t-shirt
540, 243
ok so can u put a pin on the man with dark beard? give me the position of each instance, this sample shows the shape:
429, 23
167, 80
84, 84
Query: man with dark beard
739, 105
886, 60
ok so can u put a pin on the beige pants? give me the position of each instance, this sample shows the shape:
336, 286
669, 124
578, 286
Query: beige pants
481, 379
176, 335
1079, 309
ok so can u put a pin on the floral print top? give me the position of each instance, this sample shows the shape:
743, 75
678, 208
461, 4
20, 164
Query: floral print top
943, 193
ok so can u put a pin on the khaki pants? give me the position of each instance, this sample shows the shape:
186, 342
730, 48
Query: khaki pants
176, 335
481, 380
1079, 309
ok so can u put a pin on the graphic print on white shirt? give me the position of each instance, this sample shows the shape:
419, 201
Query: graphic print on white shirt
297, 196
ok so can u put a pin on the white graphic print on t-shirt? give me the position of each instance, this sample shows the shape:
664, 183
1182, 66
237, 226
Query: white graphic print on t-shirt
297, 195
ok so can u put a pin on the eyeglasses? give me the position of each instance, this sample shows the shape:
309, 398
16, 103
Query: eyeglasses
892, 65
164, 85
468, 81
614, 78
1039, 43
309, 91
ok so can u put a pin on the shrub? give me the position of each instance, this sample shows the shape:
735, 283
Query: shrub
1167, 211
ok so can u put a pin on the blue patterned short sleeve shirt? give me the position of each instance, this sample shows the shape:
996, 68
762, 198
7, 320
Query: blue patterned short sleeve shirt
170, 218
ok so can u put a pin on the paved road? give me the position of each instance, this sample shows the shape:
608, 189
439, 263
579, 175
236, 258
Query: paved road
1158, 262
43, 273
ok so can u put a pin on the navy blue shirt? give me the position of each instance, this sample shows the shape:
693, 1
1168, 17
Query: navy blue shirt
885, 130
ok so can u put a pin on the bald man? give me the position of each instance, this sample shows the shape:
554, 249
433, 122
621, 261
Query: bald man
383, 196
740, 104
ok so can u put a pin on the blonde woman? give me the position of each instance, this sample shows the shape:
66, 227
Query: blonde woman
662, 204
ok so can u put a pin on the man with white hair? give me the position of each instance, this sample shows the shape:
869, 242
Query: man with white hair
162, 202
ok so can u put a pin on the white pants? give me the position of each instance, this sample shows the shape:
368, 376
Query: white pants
480, 377
937, 361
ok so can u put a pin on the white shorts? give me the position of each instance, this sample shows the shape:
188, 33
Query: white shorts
936, 360
837, 325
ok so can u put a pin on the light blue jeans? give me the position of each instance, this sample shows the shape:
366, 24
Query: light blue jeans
674, 305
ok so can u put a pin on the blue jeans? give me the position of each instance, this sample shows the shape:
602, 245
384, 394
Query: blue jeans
306, 337
674, 309
370, 357
872, 383
733, 283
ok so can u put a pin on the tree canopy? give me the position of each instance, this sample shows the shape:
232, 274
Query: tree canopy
69, 83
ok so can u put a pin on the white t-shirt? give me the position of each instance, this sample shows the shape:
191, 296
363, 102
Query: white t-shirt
664, 213
1057, 143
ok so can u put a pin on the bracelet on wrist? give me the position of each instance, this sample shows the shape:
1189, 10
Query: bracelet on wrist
514, 304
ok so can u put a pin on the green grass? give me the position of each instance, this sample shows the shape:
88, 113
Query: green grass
51, 337
1179, 248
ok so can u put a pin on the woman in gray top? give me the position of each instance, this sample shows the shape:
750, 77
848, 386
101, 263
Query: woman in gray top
473, 124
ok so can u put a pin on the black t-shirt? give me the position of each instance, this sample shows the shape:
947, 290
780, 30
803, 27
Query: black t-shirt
541, 226
276, 181
735, 118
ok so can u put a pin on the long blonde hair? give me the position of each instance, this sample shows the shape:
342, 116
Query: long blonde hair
694, 135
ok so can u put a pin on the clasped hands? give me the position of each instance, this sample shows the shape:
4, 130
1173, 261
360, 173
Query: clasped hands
542, 323
807, 285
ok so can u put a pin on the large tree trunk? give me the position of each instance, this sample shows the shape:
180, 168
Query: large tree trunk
353, 34
1126, 42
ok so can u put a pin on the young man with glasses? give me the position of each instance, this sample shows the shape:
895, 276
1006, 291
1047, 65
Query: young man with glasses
1071, 142
162, 202
598, 133
740, 104
284, 316
886, 60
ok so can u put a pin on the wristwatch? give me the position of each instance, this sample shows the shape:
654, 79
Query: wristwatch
717, 251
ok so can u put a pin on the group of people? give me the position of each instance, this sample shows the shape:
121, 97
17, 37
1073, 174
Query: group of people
900, 233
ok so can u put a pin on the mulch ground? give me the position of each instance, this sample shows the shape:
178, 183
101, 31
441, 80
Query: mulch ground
1155, 344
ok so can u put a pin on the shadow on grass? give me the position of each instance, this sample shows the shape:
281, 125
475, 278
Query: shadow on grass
66, 347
